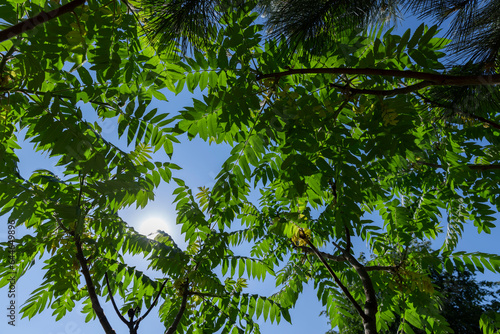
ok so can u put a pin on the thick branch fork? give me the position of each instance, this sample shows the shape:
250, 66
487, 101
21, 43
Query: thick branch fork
369, 311
132, 324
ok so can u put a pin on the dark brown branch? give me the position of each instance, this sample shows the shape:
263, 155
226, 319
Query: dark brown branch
336, 113
344, 289
472, 167
483, 167
91, 289
348, 239
204, 294
41, 18
132, 325
330, 257
61, 225
178, 317
388, 92
381, 268
479, 118
6, 58
371, 305
152, 305
484, 120
433, 78
26, 91
125, 321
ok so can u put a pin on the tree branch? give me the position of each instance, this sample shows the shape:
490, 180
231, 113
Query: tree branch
91, 289
381, 268
484, 120
43, 17
389, 92
348, 239
371, 305
472, 166
323, 254
26, 91
203, 294
178, 317
122, 318
152, 305
344, 289
433, 78
479, 118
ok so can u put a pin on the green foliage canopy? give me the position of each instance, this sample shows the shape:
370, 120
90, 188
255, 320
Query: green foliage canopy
375, 127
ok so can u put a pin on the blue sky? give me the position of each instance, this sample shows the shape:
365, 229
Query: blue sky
200, 162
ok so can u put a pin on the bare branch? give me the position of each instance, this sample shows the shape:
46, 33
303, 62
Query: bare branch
348, 239
61, 225
484, 120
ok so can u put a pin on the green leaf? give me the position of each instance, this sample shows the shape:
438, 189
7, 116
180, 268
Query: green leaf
85, 76
416, 36
419, 58
427, 36
159, 95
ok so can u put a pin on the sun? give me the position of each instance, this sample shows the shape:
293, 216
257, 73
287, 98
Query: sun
150, 227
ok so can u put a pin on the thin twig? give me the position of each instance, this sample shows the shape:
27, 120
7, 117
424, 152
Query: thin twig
122, 318
344, 289
152, 305
6, 58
